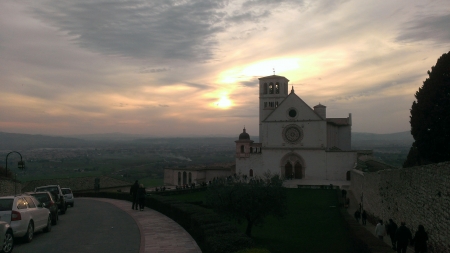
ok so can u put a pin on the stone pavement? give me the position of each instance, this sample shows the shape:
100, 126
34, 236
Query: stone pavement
159, 234
354, 204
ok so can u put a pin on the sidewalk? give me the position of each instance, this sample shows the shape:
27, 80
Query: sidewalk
354, 205
159, 234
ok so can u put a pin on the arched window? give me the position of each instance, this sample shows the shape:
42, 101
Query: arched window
251, 173
184, 177
277, 88
271, 88
242, 148
179, 178
190, 178
265, 88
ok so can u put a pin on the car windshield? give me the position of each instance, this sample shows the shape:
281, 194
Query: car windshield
66, 191
6, 204
42, 197
49, 189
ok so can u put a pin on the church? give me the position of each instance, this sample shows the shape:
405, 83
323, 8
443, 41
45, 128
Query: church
295, 140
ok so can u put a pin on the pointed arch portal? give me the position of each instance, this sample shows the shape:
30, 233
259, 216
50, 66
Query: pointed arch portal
292, 166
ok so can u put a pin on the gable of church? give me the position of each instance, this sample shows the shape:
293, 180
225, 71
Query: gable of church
293, 108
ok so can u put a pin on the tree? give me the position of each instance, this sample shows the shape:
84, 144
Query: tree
248, 199
430, 117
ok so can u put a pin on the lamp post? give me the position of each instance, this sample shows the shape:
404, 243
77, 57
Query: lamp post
20, 164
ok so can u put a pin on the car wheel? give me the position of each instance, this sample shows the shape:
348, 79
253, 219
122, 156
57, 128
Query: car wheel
48, 228
30, 232
8, 244
72, 204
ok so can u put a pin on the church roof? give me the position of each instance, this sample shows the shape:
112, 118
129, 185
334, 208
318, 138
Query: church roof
272, 77
339, 121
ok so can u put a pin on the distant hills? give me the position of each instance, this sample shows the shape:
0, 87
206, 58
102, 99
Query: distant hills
14, 141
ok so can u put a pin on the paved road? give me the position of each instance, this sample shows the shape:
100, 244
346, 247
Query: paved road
85, 228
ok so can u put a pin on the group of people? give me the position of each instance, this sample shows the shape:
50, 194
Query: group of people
138, 193
401, 236
361, 215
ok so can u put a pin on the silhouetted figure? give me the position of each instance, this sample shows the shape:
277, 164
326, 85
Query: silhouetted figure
133, 192
347, 203
344, 193
391, 230
141, 196
364, 217
380, 230
357, 215
420, 240
403, 237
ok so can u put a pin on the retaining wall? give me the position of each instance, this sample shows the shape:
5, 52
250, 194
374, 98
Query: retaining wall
418, 196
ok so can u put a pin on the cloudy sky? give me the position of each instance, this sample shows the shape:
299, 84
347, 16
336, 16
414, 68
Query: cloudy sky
191, 67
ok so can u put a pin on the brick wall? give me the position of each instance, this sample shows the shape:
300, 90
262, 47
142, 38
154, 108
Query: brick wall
418, 196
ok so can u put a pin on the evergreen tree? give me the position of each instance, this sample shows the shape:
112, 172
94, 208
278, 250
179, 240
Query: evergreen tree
430, 117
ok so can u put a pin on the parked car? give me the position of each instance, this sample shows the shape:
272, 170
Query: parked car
7, 237
47, 200
68, 196
25, 214
57, 192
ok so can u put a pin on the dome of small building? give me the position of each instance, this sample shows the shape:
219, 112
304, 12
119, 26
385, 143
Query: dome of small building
244, 135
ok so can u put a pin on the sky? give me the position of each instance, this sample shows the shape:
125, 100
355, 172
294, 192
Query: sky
191, 67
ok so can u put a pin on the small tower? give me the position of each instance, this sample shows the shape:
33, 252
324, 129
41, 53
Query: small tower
243, 145
321, 110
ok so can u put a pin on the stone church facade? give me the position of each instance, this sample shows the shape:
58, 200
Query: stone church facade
296, 141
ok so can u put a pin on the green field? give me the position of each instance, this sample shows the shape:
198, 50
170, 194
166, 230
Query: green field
313, 224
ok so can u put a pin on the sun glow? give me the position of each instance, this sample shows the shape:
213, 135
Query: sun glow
263, 68
224, 102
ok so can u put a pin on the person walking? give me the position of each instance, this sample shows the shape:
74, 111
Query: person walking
133, 192
344, 194
141, 196
380, 230
420, 240
403, 237
357, 215
364, 217
392, 228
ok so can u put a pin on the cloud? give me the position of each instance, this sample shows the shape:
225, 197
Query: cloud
153, 70
137, 28
430, 28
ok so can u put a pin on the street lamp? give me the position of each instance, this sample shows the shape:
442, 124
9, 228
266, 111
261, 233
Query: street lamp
20, 164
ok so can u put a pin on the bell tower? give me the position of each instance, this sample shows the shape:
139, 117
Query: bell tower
272, 91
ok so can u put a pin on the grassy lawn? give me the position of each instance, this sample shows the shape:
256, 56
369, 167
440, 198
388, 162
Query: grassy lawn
313, 224
151, 182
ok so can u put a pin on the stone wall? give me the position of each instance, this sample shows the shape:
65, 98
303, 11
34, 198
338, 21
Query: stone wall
7, 187
417, 196
78, 183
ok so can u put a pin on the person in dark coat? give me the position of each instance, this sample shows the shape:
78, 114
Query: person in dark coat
364, 217
133, 192
391, 230
141, 196
420, 240
403, 237
357, 215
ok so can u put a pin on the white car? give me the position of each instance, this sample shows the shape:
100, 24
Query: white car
25, 214
6, 236
68, 196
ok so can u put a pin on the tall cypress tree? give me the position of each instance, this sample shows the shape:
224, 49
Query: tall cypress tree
430, 117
